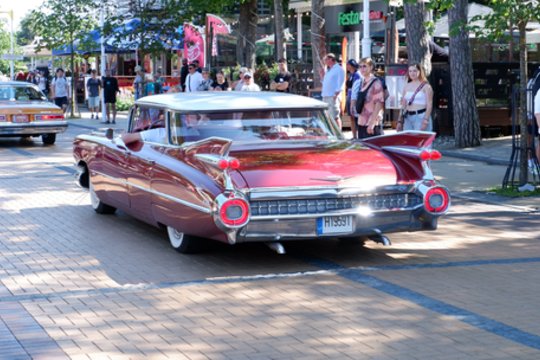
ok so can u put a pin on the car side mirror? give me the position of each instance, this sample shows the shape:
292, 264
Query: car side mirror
109, 133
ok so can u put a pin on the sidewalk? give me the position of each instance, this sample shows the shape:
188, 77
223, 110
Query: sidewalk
467, 172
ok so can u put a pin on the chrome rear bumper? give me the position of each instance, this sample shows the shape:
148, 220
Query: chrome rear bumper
33, 128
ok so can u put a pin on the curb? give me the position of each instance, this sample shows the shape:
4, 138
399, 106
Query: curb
484, 158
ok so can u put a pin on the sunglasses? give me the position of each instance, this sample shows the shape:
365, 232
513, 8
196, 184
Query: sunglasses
363, 66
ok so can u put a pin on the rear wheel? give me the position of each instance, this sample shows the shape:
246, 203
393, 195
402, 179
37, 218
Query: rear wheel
183, 243
48, 139
98, 205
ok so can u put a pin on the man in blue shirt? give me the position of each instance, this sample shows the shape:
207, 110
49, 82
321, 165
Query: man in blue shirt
332, 86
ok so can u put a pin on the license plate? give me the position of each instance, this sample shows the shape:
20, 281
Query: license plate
335, 225
20, 118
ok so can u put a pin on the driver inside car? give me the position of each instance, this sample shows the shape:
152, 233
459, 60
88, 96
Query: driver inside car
155, 132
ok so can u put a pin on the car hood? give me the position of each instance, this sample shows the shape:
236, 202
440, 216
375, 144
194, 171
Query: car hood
343, 164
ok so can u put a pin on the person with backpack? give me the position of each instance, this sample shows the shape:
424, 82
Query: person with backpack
367, 101
416, 101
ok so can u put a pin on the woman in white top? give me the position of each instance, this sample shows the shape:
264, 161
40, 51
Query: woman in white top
416, 101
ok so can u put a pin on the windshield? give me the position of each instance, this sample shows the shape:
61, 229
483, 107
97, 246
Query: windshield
268, 125
20, 93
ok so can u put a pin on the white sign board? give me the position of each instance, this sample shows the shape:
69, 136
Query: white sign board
12, 57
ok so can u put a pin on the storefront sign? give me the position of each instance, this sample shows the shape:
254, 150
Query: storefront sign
349, 18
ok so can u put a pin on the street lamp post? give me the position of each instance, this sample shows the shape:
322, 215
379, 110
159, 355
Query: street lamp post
11, 70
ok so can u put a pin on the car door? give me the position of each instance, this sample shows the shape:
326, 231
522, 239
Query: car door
142, 162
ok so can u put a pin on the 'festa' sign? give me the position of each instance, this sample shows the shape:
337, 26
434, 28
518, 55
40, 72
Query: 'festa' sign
349, 18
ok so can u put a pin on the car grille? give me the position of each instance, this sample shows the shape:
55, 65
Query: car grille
320, 206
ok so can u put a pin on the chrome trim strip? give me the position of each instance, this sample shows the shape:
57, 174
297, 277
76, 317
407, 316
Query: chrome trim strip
157, 193
277, 193
354, 212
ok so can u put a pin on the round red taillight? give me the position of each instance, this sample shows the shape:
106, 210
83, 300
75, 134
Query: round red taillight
424, 155
234, 212
436, 200
234, 163
435, 155
223, 164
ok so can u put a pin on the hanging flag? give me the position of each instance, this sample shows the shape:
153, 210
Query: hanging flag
344, 45
214, 26
193, 43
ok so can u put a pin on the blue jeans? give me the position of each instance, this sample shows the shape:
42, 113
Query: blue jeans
414, 122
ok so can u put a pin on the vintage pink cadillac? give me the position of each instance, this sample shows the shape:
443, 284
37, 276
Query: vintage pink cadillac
244, 167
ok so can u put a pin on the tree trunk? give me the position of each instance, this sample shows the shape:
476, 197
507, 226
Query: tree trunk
318, 40
279, 30
245, 48
523, 170
466, 122
416, 14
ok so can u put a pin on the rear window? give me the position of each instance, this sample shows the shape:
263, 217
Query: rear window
270, 125
20, 93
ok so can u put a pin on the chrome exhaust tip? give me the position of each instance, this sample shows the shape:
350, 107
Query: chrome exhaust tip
277, 247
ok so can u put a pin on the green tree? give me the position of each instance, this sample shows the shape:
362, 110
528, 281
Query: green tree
60, 23
4, 48
156, 26
417, 16
26, 35
247, 32
318, 40
466, 121
506, 15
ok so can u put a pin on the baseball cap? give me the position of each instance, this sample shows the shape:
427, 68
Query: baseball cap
247, 73
353, 63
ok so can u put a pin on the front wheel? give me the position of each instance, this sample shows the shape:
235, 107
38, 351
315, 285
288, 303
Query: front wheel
98, 205
183, 243
48, 139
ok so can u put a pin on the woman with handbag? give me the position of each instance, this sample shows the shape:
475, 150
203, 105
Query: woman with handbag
416, 101
367, 101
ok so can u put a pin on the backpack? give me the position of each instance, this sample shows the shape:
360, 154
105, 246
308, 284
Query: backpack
361, 98
385, 88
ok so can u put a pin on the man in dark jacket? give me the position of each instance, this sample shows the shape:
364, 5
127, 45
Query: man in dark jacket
184, 71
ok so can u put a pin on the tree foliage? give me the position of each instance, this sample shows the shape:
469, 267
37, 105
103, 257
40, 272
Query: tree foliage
60, 23
4, 48
26, 34
155, 29
515, 15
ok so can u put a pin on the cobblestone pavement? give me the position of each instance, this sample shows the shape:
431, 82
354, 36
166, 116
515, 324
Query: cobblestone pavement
78, 285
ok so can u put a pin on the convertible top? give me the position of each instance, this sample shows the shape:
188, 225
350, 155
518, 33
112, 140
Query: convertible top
230, 101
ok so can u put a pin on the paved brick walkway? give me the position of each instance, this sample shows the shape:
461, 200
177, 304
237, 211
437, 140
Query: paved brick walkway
77, 285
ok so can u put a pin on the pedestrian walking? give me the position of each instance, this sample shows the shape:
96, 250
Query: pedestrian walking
416, 101
43, 82
367, 101
353, 75
110, 90
93, 86
139, 84
194, 78
332, 86
159, 82
283, 78
60, 89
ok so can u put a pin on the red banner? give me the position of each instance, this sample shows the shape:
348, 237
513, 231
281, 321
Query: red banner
214, 26
193, 43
